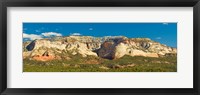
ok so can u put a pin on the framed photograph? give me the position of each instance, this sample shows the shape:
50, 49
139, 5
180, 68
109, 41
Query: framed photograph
138, 47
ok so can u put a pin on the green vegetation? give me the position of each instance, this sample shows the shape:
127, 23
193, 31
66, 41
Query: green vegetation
96, 64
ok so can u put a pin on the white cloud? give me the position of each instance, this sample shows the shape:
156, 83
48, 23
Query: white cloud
25, 29
32, 36
90, 28
158, 38
48, 34
165, 23
37, 30
75, 34
40, 36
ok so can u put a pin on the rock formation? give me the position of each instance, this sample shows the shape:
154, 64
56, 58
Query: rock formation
105, 47
133, 47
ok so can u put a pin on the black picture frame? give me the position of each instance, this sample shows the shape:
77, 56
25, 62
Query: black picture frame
99, 3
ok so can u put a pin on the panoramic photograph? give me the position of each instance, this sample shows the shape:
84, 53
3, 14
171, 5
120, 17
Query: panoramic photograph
99, 47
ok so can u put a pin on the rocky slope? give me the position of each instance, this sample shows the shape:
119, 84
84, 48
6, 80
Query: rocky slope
105, 47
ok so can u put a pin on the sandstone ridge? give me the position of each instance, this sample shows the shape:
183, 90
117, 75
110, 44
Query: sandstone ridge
109, 47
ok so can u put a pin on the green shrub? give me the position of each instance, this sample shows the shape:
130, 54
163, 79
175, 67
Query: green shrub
77, 63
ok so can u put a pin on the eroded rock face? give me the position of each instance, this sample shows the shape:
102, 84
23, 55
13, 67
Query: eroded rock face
49, 49
106, 50
106, 47
134, 47
31, 46
119, 50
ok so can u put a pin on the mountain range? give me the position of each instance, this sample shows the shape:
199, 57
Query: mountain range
108, 47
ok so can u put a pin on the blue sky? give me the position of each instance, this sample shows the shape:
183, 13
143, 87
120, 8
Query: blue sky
165, 33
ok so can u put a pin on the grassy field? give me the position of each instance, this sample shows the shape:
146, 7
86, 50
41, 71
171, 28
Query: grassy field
96, 64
